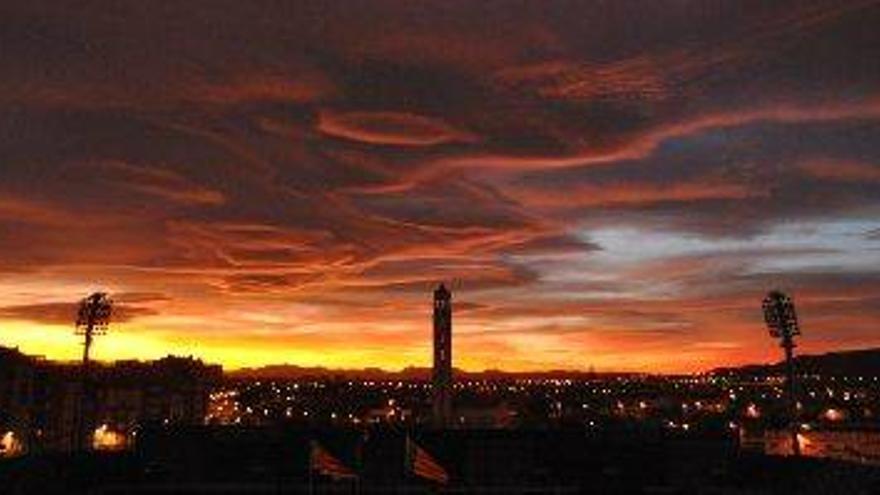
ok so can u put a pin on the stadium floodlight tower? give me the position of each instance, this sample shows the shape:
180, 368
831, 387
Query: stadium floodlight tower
92, 320
783, 325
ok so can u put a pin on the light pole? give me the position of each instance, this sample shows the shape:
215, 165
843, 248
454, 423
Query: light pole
92, 319
782, 322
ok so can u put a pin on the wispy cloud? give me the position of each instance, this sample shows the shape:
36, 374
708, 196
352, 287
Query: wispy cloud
617, 180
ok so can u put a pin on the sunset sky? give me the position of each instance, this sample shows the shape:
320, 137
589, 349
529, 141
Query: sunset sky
612, 184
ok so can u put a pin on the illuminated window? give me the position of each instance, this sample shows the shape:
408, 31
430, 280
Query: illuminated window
10, 445
106, 439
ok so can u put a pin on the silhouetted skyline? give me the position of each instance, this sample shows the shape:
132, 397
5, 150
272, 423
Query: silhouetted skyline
604, 184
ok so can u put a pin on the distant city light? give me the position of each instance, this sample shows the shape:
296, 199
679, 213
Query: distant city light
752, 411
832, 414
106, 439
10, 446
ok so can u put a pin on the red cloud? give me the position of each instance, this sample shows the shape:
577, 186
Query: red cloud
390, 128
842, 171
281, 176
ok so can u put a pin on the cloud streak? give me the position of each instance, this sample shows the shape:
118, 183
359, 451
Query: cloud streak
603, 183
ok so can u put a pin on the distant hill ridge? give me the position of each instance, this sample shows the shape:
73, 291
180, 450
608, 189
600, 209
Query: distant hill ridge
289, 371
862, 362
850, 363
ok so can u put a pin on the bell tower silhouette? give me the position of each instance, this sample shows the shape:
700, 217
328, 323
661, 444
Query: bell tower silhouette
442, 372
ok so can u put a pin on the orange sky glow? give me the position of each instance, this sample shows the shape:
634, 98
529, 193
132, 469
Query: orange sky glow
604, 185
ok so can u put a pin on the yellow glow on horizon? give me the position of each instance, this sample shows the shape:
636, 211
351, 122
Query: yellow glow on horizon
334, 346
58, 342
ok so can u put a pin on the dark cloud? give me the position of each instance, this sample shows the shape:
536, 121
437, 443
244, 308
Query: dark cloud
343, 152
727, 180
61, 313
552, 244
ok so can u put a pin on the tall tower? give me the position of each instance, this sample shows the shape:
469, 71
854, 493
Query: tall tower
92, 319
442, 375
781, 319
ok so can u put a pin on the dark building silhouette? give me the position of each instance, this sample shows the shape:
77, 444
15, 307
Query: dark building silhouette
16, 395
442, 371
171, 390
40, 400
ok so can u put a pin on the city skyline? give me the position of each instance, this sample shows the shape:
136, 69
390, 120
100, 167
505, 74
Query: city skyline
607, 185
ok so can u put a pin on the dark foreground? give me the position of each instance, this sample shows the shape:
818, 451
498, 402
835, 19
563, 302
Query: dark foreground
265, 461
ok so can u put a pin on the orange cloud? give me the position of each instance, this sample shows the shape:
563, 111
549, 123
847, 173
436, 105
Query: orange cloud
390, 128
635, 194
842, 171
154, 180
601, 186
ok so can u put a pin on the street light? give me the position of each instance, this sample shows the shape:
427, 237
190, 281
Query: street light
781, 319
